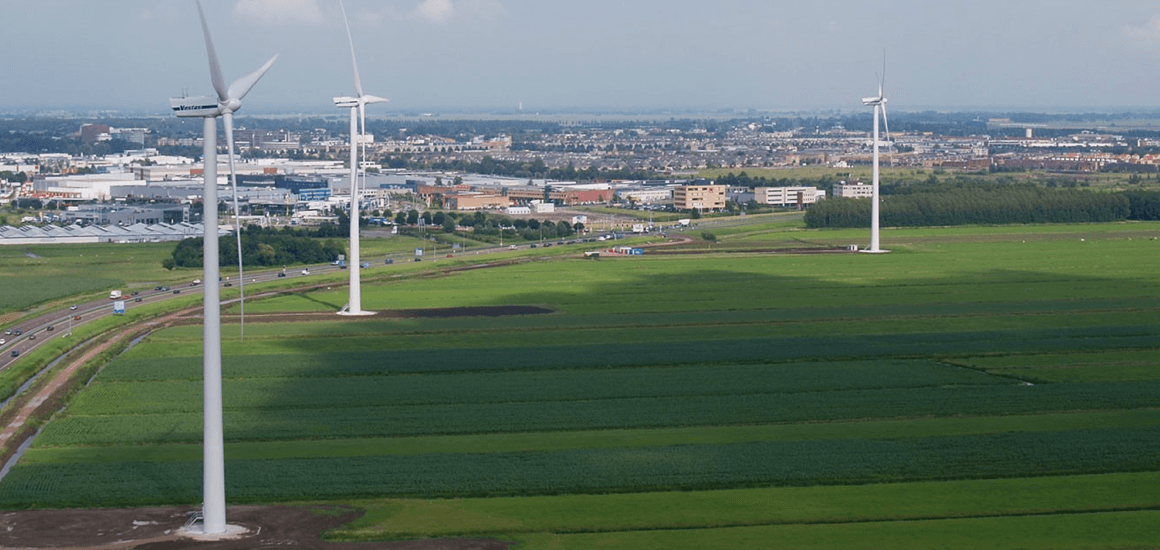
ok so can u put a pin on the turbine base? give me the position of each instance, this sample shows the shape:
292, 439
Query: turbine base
879, 251
359, 313
195, 532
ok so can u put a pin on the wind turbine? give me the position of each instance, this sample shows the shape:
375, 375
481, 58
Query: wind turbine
879, 104
227, 101
358, 125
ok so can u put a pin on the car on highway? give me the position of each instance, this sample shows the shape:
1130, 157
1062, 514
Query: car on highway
8, 332
16, 353
49, 328
73, 307
31, 336
17, 332
76, 317
137, 299
135, 292
158, 287
177, 291
3, 341
306, 272
282, 274
227, 283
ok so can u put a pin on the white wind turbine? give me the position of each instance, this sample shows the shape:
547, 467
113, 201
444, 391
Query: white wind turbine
879, 104
228, 100
357, 107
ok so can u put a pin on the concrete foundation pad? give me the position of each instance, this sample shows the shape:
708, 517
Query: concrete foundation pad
232, 532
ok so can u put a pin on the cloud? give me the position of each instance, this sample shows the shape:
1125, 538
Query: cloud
434, 11
277, 13
165, 12
1148, 33
444, 11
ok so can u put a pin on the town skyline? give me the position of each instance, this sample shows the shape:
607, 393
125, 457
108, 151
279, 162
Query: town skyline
488, 55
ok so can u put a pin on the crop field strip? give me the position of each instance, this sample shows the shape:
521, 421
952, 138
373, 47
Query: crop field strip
609, 439
680, 467
750, 316
826, 387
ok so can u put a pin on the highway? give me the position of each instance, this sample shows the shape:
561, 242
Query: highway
29, 334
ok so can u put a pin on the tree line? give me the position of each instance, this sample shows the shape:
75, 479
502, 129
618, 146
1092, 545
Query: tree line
261, 247
964, 204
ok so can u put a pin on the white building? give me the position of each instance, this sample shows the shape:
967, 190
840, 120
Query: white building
788, 196
647, 195
853, 190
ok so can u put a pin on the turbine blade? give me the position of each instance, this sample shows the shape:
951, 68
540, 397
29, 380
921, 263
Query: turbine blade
885, 121
354, 61
228, 121
242, 86
882, 83
215, 69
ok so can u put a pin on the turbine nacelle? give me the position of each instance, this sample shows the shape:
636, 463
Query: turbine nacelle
200, 107
349, 102
870, 101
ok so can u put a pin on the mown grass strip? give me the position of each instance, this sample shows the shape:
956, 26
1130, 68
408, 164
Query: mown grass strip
406, 518
1125, 530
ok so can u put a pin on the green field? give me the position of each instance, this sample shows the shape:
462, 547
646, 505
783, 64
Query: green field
980, 386
34, 274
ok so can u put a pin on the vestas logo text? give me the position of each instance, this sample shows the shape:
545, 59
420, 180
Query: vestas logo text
193, 107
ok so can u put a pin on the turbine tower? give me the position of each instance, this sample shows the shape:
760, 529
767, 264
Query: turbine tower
358, 123
879, 104
224, 104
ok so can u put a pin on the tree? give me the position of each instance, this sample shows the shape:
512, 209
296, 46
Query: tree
401, 218
413, 217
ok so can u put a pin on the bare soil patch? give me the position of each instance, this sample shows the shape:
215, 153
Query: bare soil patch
157, 529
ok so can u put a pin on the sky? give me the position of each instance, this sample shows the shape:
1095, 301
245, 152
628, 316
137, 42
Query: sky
627, 55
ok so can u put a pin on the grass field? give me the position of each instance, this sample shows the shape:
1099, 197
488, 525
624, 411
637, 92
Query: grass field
34, 274
979, 386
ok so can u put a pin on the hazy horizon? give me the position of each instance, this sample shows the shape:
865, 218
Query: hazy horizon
461, 56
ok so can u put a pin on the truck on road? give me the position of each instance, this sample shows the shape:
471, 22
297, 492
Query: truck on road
115, 295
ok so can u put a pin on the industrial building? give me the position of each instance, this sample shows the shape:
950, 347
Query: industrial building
699, 196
